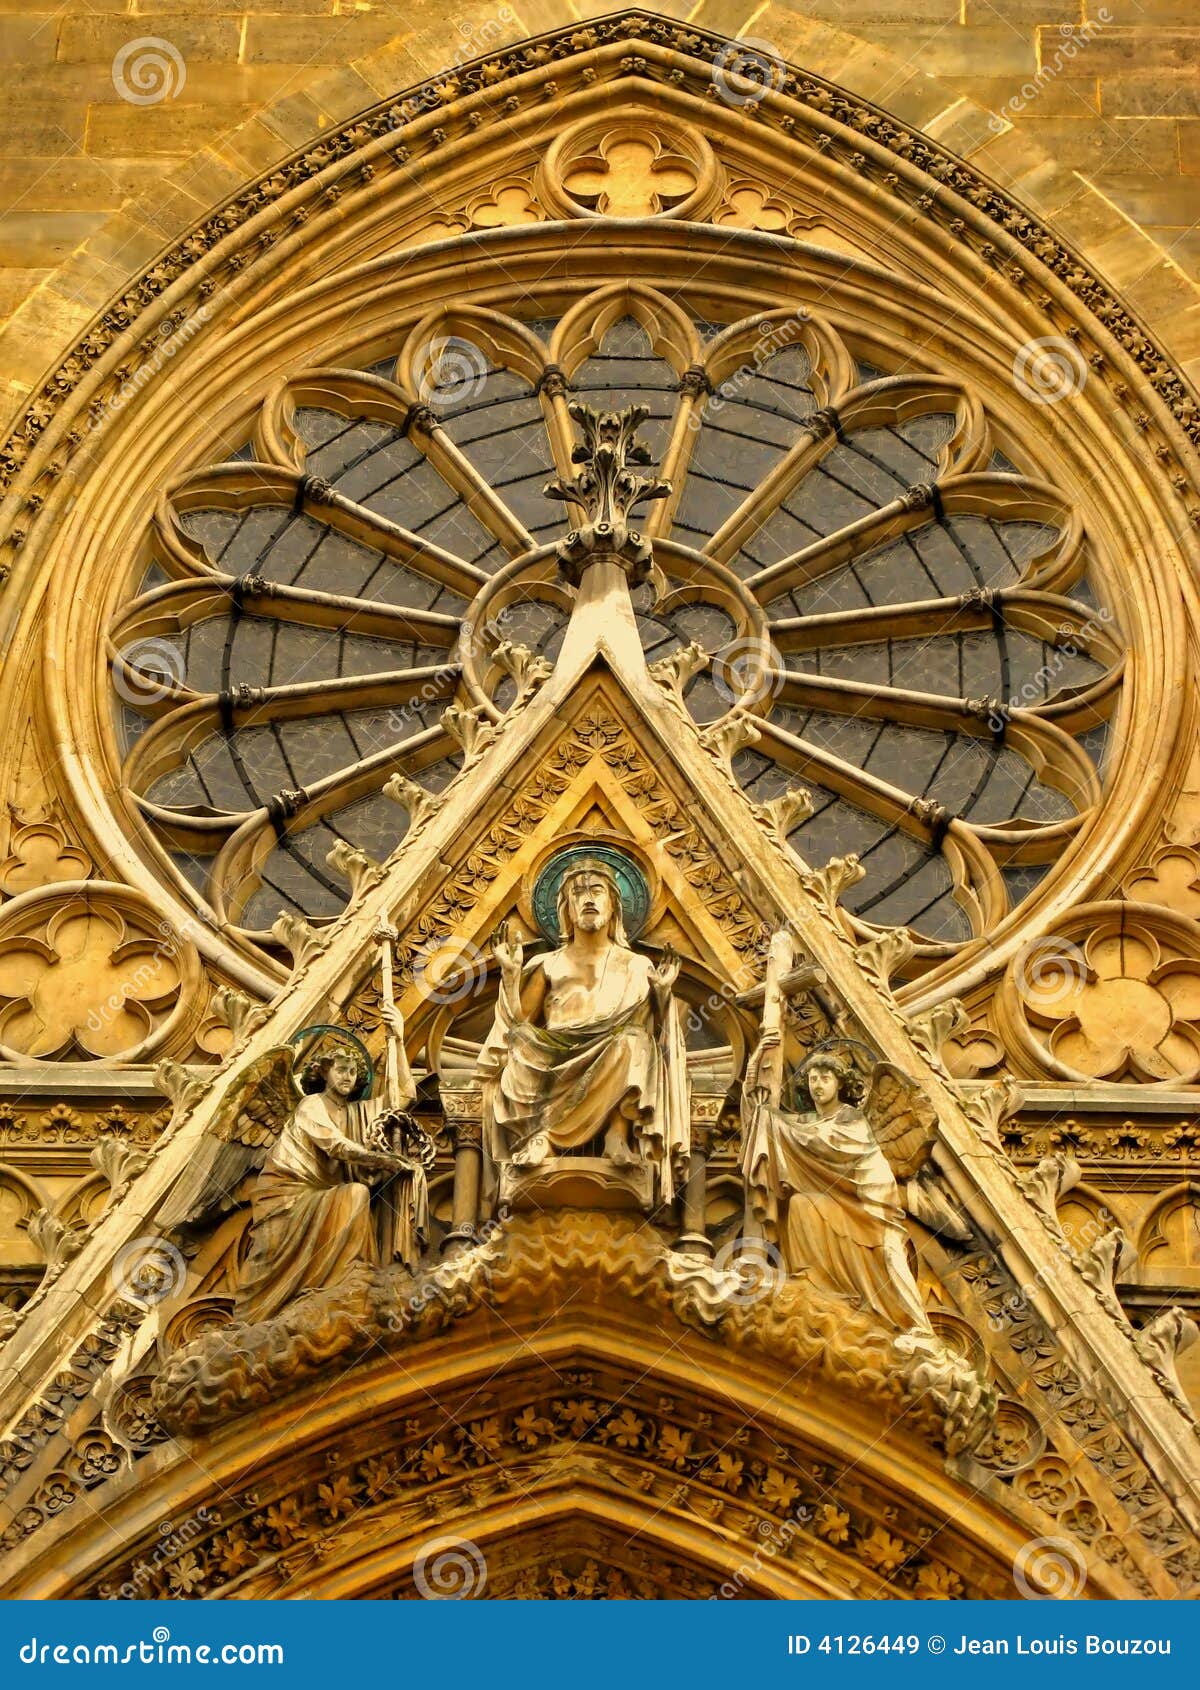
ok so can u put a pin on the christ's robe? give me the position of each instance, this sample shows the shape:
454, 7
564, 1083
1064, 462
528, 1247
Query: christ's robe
607, 1049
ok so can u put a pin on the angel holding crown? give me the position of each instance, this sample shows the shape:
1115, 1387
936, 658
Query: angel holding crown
822, 1181
341, 1176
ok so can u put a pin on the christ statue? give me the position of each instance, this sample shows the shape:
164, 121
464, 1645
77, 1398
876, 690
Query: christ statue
586, 1048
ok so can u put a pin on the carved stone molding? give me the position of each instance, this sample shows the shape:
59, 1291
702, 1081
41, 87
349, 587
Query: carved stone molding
538, 1261
630, 163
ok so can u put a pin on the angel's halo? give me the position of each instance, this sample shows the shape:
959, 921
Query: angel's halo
321, 1034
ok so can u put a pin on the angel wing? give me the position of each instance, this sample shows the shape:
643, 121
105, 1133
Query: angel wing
258, 1105
902, 1118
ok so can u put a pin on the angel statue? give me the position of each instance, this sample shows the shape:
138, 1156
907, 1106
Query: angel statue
823, 1182
341, 1177
587, 1046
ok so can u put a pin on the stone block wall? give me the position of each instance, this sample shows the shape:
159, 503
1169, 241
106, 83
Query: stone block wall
1090, 112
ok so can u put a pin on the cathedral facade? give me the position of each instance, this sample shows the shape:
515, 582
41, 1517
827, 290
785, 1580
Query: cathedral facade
671, 1070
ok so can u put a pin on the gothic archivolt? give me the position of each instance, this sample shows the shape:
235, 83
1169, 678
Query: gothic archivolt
533, 771
1056, 673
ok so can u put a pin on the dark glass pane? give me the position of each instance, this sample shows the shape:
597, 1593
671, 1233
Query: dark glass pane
625, 371
748, 424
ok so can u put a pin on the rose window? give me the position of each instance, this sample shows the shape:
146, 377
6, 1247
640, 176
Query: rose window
902, 607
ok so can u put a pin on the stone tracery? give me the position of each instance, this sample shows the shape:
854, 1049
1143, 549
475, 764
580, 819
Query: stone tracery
600, 777
821, 630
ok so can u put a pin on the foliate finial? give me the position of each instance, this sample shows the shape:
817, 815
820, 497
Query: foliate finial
608, 488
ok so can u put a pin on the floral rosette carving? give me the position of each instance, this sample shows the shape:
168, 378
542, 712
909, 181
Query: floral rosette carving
1112, 994
878, 606
89, 971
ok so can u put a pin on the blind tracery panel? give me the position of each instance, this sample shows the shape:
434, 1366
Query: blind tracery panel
940, 673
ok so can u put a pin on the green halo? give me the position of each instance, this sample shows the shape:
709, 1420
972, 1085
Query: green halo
635, 892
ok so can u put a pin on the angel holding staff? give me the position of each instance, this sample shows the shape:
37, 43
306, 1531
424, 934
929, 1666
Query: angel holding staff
342, 1177
823, 1182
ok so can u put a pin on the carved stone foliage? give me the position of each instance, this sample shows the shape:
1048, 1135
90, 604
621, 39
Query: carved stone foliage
48, 1414
673, 1452
607, 488
26, 1125
1078, 1416
1112, 994
590, 1564
544, 1261
1173, 1143
653, 1454
1014, 1441
88, 970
